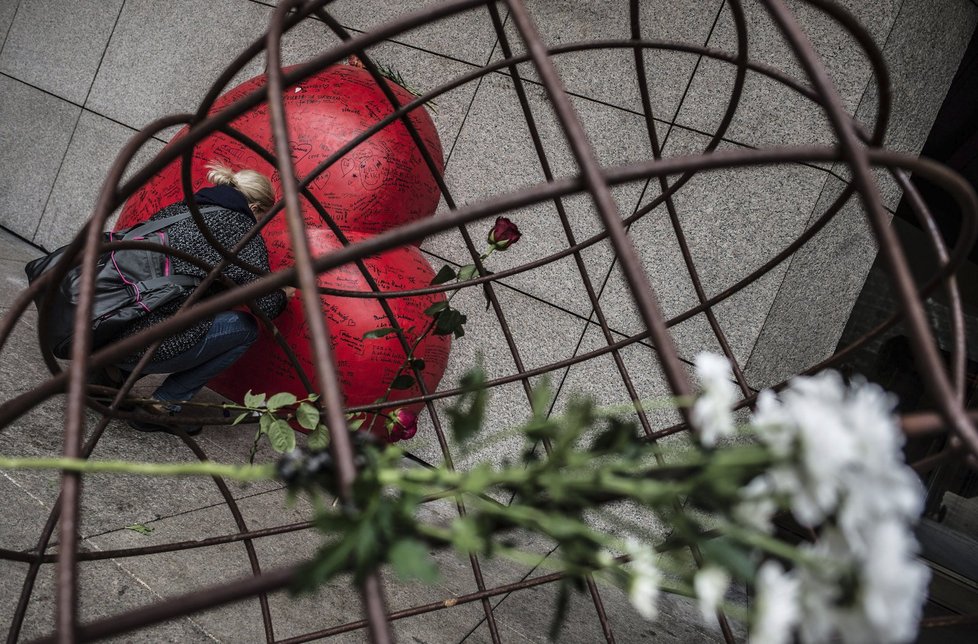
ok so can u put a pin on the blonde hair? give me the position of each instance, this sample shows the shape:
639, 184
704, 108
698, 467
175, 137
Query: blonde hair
256, 187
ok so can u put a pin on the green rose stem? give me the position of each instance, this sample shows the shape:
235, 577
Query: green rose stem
410, 355
206, 468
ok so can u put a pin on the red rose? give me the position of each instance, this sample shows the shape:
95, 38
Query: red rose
504, 234
401, 425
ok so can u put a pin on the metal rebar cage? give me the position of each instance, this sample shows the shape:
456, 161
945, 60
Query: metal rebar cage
856, 156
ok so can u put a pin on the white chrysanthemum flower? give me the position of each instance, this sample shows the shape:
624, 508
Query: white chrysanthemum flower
893, 493
818, 597
711, 585
870, 594
839, 442
643, 589
711, 413
892, 584
757, 505
776, 605
773, 425
841, 460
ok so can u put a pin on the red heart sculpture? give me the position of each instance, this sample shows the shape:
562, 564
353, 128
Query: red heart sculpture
378, 185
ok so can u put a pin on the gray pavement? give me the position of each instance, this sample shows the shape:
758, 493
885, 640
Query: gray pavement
78, 79
183, 509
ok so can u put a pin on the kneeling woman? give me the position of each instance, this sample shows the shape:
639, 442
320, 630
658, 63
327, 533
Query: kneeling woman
195, 356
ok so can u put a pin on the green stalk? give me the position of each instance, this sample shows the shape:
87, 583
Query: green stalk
205, 468
768, 544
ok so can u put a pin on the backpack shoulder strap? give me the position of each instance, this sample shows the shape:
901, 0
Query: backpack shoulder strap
180, 280
150, 227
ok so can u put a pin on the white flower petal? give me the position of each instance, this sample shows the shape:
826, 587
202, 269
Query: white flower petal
711, 585
776, 605
643, 589
711, 413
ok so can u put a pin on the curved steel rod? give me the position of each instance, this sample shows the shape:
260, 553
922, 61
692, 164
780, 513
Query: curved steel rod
946, 384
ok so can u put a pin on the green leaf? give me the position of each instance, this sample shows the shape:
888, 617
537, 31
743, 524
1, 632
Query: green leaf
357, 423
241, 417
264, 423
411, 560
281, 400
307, 415
465, 535
466, 415
726, 554
254, 401
467, 272
403, 381
318, 438
312, 397
382, 332
418, 364
449, 321
616, 439
446, 274
281, 436
436, 308
140, 528
541, 396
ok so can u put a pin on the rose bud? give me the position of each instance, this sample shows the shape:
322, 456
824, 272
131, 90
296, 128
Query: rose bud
401, 424
504, 234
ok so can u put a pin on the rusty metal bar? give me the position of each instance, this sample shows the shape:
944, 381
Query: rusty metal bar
859, 148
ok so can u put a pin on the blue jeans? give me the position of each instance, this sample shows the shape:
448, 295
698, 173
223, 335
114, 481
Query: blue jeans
230, 335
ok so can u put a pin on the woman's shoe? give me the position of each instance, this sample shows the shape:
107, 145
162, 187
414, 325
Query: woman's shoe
148, 420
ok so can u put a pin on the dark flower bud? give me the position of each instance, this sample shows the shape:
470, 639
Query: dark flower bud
290, 467
402, 424
504, 234
319, 463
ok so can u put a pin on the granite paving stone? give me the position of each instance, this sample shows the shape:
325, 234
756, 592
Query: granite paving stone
542, 335
495, 155
770, 113
920, 76
529, 614
7, 12
25, 515
57, 46
16, 249
164, 57
809, 314
105, 589
92, 151
734, 220
467, 36
174, 573
33, 140
332, 604
13, 280
609, 75
111, 501
600, 380
21, 364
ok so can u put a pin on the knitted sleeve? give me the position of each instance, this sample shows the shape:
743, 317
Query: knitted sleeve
229, 227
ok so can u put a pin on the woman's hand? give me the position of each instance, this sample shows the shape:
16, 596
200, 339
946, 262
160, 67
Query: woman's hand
289, 292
